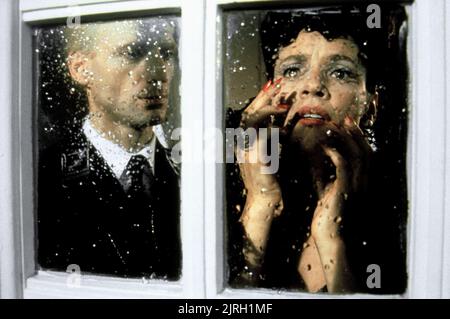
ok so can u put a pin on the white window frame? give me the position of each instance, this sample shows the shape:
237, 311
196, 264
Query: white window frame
428, 163
17, 255
202, 211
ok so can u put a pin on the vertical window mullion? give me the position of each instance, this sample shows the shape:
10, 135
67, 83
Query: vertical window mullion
428, 158
446, 225
10, 252
214, 168
192, 172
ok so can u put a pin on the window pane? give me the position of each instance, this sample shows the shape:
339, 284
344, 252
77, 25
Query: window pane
108, 195
326, 209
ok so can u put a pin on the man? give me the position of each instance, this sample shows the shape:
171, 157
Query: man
108, 197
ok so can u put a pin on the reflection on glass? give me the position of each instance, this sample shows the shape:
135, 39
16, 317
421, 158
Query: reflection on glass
108, 193
332, 216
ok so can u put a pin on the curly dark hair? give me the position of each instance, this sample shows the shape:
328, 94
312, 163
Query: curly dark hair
280, 28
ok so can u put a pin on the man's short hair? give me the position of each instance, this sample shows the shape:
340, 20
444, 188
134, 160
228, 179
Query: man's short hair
85, 36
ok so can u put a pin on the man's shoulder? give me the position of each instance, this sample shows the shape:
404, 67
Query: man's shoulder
69, 155
165, 162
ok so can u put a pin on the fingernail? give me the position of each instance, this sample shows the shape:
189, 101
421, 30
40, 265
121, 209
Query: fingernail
283, 106
278, 81
267, 85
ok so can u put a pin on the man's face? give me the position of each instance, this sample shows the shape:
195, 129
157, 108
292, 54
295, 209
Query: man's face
129, 71
326, 78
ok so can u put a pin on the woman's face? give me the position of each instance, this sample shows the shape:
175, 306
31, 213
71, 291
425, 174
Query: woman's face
325, 80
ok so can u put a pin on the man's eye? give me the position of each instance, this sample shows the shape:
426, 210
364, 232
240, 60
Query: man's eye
166, 54
342, 74
134, 53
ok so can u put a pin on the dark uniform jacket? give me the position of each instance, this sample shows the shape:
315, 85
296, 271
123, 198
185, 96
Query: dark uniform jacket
86, 218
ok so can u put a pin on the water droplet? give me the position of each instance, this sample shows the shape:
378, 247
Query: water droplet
308, 267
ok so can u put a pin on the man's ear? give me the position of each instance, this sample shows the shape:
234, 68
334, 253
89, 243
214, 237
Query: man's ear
78, 65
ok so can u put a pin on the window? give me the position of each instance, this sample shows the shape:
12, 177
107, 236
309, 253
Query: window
204, 95
107, 191
320, 77
64, 281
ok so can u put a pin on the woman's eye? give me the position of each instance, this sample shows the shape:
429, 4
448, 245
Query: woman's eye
343, 74
291, 72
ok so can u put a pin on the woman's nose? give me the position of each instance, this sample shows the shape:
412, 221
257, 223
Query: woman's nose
313, 85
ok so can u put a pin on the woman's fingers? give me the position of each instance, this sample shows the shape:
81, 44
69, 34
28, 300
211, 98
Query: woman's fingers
358, 135
340, 163
361, 162
265, 105
264, 96
349, 151
345, 139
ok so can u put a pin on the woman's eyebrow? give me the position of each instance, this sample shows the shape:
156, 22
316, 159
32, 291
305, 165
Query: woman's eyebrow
339, 57
295, 58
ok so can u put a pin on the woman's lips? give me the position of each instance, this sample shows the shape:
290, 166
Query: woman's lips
313, 115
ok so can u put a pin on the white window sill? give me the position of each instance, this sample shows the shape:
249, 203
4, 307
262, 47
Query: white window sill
49, 284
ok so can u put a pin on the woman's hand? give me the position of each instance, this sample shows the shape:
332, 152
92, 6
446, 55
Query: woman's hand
348, 151
260, 114
264, 199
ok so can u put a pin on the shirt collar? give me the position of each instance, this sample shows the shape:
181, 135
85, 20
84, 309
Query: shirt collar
114, 155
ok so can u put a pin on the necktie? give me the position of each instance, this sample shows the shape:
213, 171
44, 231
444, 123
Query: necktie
140, 242
137, 178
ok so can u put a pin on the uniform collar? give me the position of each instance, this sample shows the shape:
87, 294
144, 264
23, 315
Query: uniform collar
114, 155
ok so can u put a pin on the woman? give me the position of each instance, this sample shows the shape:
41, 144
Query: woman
321, 95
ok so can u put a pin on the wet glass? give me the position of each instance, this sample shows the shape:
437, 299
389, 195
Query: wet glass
332, 216
107, 99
